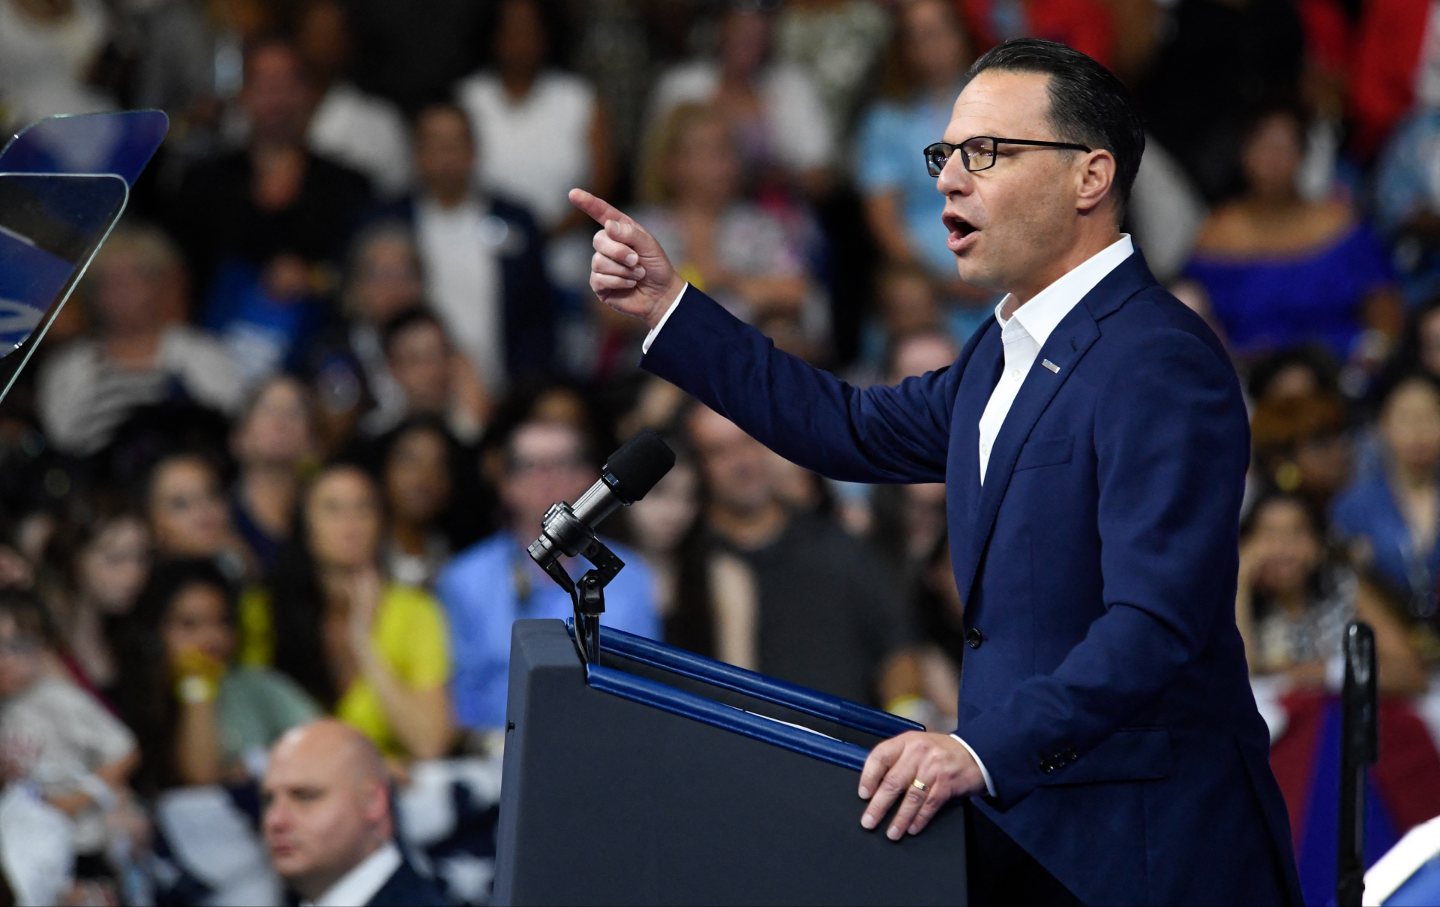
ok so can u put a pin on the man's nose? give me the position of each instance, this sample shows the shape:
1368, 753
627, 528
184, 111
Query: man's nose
954, 177
276, 817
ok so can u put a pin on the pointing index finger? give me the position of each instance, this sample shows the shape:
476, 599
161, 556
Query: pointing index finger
597, 208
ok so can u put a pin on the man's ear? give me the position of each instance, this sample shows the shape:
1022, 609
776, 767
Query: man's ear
1095, 180
377, 800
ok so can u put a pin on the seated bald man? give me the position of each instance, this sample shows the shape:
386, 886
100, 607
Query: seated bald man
328, 824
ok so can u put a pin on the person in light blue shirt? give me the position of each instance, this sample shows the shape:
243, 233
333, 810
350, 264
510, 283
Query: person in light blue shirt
494, 583
1382, 513
929, 51
889, 133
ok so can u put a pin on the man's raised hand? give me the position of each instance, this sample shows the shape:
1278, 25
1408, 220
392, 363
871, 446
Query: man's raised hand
629, 271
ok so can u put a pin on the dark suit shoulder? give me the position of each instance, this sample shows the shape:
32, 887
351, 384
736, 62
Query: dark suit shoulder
343, 177
400, 209
1130, 298
1154, 316
513, 211
408, 888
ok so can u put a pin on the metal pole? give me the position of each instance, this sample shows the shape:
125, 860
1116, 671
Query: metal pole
1359, 747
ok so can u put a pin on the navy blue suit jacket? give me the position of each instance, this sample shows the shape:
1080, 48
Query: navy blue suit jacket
1105, 688
408, 888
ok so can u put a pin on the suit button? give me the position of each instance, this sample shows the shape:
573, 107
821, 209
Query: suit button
973, 638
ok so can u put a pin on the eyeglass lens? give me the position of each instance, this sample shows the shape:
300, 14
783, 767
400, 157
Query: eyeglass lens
975, 154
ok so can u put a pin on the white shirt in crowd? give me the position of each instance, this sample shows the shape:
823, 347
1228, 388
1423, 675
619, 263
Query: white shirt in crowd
531, 149
82, 397
459, 253
365, 133
798, 130
55, 735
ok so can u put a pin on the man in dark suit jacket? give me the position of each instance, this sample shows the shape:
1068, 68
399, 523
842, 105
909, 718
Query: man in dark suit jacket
264, 227
328, 823
1093, 442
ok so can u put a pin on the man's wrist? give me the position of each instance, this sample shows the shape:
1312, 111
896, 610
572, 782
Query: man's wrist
673, 293
987, 784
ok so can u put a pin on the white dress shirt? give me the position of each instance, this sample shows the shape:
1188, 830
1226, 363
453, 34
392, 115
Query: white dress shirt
356, 887
1024, 333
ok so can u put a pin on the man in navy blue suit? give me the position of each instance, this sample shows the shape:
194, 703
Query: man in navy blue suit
328, 822
1093, 442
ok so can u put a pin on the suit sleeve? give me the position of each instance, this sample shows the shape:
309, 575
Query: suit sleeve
805, 414
1172, 441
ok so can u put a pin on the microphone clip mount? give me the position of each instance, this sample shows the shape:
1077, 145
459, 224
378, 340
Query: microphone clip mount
564, 534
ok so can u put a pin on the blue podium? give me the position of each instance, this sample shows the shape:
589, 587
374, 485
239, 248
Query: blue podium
655, 776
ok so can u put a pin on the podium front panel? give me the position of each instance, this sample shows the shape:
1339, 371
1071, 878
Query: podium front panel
607, 800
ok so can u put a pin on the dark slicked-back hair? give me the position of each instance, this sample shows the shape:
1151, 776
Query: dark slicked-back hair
1088, 104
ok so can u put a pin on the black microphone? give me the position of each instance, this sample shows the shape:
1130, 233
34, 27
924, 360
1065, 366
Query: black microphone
627, 477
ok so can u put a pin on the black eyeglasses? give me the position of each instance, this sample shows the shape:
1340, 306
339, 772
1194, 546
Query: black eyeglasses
978, 153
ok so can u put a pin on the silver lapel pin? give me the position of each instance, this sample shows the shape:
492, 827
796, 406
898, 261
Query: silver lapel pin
1050, 365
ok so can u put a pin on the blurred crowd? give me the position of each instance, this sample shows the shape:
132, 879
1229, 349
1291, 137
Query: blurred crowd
282, 453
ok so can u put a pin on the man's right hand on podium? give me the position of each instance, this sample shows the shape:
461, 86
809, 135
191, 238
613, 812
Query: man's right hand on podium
921, 770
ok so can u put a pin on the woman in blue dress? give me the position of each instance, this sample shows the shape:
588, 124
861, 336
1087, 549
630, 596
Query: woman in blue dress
1280, 269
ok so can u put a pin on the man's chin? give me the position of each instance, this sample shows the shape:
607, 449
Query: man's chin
969, 271
289, 864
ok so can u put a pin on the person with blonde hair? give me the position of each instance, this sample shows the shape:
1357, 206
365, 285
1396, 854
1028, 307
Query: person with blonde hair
699, 203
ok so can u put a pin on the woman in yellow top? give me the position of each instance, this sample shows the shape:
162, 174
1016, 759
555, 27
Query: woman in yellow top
375, 652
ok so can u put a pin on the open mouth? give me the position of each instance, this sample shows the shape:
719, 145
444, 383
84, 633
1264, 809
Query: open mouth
960, 230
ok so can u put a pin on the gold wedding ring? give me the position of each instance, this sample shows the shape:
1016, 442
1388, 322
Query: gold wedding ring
919, 785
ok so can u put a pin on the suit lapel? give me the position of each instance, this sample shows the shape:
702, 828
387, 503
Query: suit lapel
962, 488
1064, 349
1066, 346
